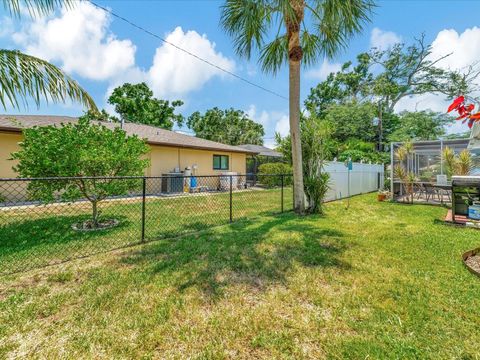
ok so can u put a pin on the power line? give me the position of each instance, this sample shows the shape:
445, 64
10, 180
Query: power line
186, 51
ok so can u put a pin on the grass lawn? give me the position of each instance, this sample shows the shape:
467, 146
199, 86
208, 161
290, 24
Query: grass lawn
379, 280
38, 236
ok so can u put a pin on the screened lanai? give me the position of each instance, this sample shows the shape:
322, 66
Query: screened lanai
424, 163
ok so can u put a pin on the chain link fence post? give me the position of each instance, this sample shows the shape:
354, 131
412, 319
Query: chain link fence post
144, 191
281, 193
231, 199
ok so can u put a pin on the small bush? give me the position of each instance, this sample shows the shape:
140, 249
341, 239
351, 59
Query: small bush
274, 168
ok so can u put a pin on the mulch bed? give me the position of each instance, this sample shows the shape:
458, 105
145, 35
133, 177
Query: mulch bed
90, 226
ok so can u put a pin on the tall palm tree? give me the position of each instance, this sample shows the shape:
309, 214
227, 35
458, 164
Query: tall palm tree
24, 76
294, 38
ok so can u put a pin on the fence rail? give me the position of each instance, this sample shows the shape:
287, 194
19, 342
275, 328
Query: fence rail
46, 221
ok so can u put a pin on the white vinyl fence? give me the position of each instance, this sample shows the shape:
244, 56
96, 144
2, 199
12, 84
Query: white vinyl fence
363, 178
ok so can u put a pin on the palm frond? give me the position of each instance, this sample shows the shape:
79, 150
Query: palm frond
337, 21
24, 76
247, 21
274, 55
35, 8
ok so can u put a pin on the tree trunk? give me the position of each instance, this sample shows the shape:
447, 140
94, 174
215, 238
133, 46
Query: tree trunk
380, 129
295, 54
95, 213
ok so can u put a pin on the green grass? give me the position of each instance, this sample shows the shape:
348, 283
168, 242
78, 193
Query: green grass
40, 236
377, 281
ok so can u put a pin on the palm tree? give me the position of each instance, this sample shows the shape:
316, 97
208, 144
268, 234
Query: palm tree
24, 76
296, 38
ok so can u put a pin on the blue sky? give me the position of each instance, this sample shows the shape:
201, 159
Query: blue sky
101, 52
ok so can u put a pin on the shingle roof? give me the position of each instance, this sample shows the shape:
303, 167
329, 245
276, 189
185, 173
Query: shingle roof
261, 150
153, 135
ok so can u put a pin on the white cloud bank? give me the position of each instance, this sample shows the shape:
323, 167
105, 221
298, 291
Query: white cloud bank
272, 121
382, 40
465, 50
80, 41
176, 71
324, 70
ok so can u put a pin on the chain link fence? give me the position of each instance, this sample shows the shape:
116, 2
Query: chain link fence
52, 220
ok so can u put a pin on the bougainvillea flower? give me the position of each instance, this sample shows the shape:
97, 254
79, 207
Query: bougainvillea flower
475, 116
456, 103
469, 107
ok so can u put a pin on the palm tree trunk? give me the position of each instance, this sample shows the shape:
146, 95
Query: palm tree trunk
294, 109
295, 54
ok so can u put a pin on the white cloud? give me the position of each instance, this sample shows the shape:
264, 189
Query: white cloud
80, 41
262, 118
383, 40
270, 143
283, 126
176, 72
324, 70
465, 50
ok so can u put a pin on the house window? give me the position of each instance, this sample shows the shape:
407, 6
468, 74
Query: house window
220, 162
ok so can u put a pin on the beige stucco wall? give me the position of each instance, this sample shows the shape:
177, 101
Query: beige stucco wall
163, 159
8, 144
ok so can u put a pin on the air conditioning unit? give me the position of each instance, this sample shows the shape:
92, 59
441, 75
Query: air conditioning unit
172, 183
225, 180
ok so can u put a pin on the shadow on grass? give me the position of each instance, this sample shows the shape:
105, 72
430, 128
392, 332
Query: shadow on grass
45, 241
251, 253
175, 227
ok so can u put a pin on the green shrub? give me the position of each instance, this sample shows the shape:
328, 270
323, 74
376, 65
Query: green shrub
272, 169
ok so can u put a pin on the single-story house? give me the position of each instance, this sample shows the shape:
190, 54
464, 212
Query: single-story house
169, 151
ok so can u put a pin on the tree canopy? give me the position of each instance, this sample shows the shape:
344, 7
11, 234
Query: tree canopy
87, 150
359, 100
420, 125
228, 126
135, 103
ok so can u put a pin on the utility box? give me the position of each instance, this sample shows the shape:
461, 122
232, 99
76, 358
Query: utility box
172, 183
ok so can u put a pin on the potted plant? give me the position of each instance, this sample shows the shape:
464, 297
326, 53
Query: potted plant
382, 195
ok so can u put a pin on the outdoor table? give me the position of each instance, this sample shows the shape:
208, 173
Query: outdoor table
441, 186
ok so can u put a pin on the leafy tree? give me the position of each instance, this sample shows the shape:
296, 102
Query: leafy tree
87, 150
358, 150
99, 116
297, 38
229, 126
135, 103
350, 84
420, 125
24, 76
352, 120
404, 70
